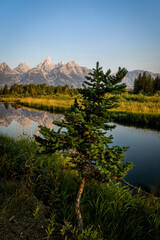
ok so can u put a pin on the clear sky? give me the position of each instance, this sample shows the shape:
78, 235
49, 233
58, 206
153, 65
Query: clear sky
116, 33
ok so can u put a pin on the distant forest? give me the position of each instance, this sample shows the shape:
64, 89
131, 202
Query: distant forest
146, 84
37, 90
143, 84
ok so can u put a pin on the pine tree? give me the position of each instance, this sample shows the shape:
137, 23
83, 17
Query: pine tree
84, 139
157, 84
148, 86
5, 90
137, 84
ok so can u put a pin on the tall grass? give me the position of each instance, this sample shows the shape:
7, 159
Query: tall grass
143, 120
139, 103
51, 105
57, 105
110, 211
138, 110
128, 102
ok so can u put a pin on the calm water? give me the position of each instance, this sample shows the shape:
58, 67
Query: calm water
144, 145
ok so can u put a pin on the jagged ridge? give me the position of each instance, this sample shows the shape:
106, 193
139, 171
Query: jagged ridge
54, 74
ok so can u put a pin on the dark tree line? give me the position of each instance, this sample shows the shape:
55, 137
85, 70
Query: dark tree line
37, 90
146, 84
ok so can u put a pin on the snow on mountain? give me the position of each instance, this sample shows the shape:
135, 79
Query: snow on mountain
35, 76
22, 68
71, 74
46, 65
60, 64
55, 74
8, 76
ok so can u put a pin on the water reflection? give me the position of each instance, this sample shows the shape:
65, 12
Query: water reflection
144, 144
6, 104
144, 152
17, 122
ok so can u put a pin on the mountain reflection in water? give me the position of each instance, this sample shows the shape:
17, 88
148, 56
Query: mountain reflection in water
18, 122
144, 145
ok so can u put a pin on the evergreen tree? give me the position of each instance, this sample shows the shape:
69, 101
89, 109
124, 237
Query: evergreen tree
157, 84
84, 139
5, 90
144, 84
137, 84
148, 86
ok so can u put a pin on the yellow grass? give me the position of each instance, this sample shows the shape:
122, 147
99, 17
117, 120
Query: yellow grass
139, 104
48, 102
128, 103
139, 107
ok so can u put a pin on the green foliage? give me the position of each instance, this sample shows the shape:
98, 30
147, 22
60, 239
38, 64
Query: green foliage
70, 232
144, 120
146, 84
35, 212
5, 90
81, 136
15, 157
51, 226
110, 211
42, 106
34, 90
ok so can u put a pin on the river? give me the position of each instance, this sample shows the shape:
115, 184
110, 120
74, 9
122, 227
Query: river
144, 144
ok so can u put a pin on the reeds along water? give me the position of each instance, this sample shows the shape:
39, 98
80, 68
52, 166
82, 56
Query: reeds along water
49, 108
138, 110
137, 119
56, 106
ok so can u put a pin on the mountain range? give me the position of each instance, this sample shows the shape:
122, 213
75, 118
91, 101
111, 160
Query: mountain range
70, 74
15, 122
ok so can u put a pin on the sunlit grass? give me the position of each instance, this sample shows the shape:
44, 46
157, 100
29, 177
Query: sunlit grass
139, 104
48, 102
128, 102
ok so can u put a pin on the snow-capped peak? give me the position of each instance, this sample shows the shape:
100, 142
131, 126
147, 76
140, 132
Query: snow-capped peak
71, 64
60, 64
22, 68
4, 66
46, 65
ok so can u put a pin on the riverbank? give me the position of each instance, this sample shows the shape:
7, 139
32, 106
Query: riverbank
37, 194
136, 110
142, 120
58, 104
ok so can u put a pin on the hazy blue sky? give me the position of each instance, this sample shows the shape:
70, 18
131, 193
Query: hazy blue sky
116, 33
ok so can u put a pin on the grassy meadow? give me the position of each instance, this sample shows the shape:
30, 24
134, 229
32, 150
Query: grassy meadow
135, 103
37, 194
51, 105
58, 103
139, 103
138, 110
38, 191
134, 109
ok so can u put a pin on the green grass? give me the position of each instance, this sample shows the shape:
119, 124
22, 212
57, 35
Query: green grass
139, 103
37, 195
56, 104
143, 120
137, 110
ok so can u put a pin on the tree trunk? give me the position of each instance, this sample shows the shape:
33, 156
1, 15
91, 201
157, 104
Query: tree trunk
77, 205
